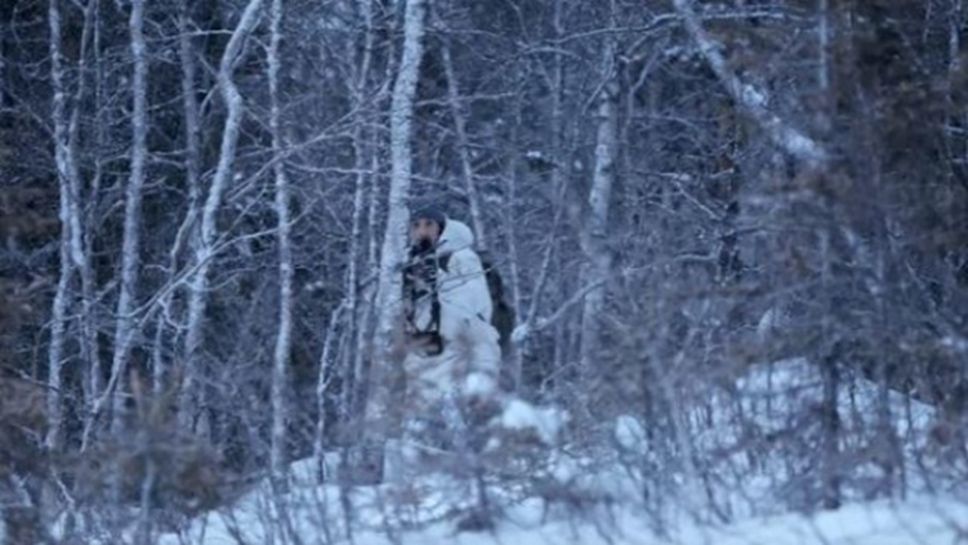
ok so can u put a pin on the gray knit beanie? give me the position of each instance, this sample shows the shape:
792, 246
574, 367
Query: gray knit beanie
430, 212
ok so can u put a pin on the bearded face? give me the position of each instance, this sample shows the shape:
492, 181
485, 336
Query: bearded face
424, 233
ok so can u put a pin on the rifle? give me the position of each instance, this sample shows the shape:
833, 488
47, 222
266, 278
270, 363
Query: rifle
419, 282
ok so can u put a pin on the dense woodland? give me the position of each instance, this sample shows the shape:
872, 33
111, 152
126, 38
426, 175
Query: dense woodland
202, 205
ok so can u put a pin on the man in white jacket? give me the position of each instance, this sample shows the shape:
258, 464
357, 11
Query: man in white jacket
454, 352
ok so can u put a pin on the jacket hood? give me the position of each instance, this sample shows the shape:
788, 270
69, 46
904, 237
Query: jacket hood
456, 236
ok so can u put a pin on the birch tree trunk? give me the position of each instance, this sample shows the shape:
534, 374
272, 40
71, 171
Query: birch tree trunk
364, 333
81, 244
557, 90
514, 359
322, 386
187, 233
130, 249
823, 39
55, 354
955, 114
72, 254
389, 305
358, 324
186, 55
280, 364
596, 227
198, 298
93, 379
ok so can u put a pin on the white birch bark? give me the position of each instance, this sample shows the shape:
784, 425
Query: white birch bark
510, 227
783, 135
72, 255
187, 231
364, 332
130, 246
364, 326
93, 380
596, 227
186, 55
55, 354
373, 252
280, 366
357, 324
74, 177
389, 304
823, 35
79, 243
954, 40
198, 298
510, 219
352, 280
322, 384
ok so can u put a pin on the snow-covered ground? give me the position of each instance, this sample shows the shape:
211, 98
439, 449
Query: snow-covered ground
924, 520
422, 511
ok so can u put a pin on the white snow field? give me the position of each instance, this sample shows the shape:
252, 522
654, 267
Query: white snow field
923, 521
421, 512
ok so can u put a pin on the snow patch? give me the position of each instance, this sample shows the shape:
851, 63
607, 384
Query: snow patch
768, 325
921, 520
629, 433
520, 333
754, 97
479, 384
521, 415
959, 344
610, 485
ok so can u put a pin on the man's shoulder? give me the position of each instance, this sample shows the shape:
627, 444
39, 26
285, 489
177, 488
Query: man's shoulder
463, 258
467, 252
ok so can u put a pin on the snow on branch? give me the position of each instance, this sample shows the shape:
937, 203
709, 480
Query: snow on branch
751, 99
